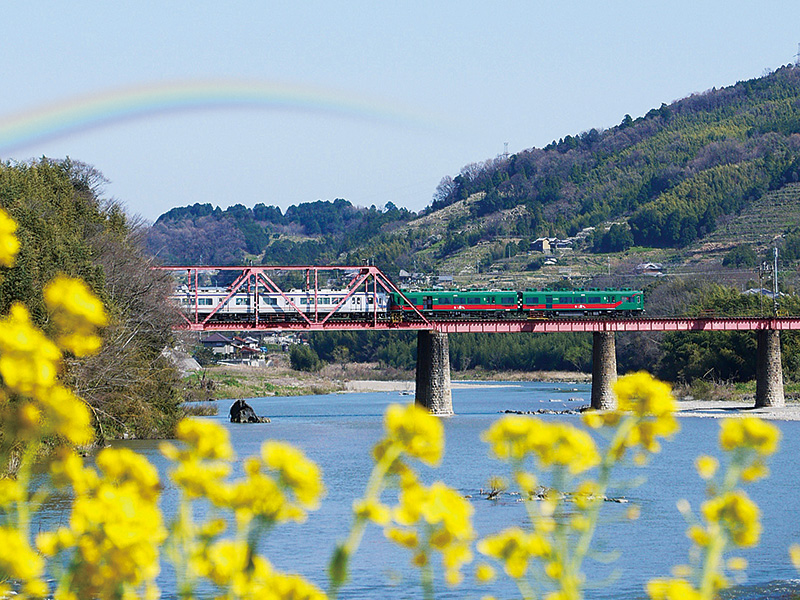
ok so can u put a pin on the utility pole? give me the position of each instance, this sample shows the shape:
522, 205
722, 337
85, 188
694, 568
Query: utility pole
775, 282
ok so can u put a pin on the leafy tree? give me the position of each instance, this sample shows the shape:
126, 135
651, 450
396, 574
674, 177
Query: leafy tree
742, 256
65, 226
303, 358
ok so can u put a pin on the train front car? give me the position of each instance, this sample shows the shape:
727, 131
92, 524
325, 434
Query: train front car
584, 303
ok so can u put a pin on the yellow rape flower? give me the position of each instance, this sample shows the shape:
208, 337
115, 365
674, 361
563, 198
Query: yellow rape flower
651, 403
404, 537
206, 440
9, 244
68, 470
749, 432
302, 475
755, 471
706, 466
514, 547
77, 313
124, 465
29, 361
446, 506
736, 514
10, 492
260, 496
67, 415
225, 558
484, 573
737, 563
415, 431
512, 436
641, 394
554, 444
372, 510
672, 589
17, 559
794, 555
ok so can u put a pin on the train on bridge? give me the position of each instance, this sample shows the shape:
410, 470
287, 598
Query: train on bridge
222, 305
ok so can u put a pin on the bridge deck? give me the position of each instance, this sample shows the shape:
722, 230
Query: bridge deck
521, 326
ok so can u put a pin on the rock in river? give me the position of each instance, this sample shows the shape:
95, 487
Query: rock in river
242, 412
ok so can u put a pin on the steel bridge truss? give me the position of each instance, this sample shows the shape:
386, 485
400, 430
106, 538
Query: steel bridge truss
253, 279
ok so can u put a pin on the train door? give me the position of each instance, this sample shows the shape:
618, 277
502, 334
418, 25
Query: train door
427, 303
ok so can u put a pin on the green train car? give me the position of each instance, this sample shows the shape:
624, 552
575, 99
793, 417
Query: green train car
516, 304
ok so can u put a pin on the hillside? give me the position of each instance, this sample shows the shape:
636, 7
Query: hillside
682, 185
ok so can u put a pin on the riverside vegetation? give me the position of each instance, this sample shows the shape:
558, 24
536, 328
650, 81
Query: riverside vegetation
65, 227
111, 544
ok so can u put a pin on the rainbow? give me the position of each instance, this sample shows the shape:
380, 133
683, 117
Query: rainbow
123, 104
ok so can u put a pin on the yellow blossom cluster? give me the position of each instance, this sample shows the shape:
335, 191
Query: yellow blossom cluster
435, 517
20, 562
115, 526
413, 431
278, 486
203, 465
729, 517
735, 514
650, 407
204, 462
29, 366
229, 564
564, 508
552, 444
77, 313
751, 440
515, 547
38, 405
9, 244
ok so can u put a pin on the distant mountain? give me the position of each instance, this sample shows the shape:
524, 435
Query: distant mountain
663, 180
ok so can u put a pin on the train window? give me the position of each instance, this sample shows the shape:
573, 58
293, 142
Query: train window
508, 300
269, 300
594, 299
370, 299
243, 302
205, 301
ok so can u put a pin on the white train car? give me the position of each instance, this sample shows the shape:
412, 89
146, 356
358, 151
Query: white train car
241, 306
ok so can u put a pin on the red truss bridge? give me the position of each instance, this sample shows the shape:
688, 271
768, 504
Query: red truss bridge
255, 301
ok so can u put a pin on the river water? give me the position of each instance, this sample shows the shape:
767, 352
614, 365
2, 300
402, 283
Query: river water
337, 431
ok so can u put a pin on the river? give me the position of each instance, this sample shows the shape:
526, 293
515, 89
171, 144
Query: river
338, 430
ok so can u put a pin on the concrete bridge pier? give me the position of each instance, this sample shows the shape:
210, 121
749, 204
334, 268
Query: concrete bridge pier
433, 373
604, 370
769, 373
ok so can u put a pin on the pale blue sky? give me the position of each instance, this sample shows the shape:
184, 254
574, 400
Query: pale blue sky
485, 73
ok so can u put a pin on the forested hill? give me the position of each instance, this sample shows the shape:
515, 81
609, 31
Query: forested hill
307, 233
661, 180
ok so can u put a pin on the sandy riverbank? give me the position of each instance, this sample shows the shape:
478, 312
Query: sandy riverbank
718, 409
408, 386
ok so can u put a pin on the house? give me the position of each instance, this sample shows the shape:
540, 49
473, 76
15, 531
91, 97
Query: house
649, 268
218, 343
541, 245
763, 291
